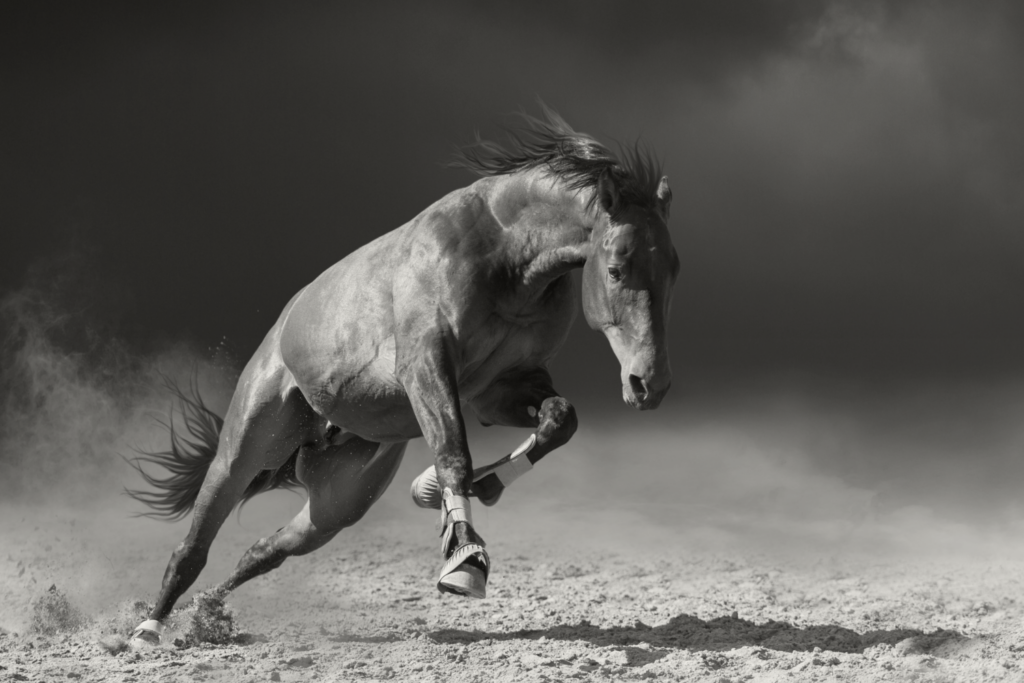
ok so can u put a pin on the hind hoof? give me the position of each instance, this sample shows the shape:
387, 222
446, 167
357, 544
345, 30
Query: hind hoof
425, 490
146, 635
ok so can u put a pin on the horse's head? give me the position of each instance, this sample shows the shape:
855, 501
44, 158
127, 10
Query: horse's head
627, 288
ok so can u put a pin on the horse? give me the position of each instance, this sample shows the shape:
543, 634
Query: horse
465, 304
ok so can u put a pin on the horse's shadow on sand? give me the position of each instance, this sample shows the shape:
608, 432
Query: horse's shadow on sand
687, 632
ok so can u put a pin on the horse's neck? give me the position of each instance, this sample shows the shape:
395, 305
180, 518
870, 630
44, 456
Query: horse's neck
548, 226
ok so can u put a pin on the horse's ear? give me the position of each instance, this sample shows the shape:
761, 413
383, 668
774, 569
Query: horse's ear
664, 197
608, 193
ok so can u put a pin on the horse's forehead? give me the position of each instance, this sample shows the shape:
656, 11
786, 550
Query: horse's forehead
639, 227
619, 235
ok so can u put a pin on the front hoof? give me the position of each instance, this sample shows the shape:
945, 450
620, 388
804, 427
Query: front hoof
467, 581
465, 572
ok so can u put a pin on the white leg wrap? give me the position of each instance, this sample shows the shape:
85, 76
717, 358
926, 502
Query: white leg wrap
151, 625
518, 464
426, 490
455, 509
146, 635
466, 567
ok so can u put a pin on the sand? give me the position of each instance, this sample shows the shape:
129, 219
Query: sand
580, 596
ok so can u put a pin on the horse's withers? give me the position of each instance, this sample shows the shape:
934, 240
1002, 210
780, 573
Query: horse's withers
627, 290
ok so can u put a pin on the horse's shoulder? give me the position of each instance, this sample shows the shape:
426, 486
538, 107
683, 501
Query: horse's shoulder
460, 227
461, 211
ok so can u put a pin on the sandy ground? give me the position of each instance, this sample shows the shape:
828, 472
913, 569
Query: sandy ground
577, 592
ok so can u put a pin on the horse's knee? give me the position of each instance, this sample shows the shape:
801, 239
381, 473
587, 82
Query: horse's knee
557, 421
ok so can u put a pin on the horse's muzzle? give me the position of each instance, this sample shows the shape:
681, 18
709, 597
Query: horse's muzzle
644, 395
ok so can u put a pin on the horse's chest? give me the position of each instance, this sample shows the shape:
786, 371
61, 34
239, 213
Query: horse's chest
501, 346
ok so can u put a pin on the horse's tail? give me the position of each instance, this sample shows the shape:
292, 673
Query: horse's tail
189, 459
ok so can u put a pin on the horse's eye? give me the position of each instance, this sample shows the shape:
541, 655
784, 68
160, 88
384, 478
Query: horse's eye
614, 273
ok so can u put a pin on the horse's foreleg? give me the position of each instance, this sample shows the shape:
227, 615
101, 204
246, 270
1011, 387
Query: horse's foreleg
556, 424
426, 367
523, 399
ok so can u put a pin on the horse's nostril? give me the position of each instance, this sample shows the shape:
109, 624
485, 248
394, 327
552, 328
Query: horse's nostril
638, 386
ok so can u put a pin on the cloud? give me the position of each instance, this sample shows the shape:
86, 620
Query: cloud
860, 189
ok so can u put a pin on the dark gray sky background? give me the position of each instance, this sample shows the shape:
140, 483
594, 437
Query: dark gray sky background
848, 178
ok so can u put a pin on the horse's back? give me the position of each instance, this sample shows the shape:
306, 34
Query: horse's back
346, 315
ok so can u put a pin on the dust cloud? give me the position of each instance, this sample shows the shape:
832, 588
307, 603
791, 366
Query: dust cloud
74, 396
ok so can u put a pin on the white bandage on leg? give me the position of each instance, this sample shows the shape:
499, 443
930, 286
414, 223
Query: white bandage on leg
517, 464
426, 490
454, 509
146, 635
151, 625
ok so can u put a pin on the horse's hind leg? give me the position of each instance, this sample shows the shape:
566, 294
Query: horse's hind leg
267, 421
343, 481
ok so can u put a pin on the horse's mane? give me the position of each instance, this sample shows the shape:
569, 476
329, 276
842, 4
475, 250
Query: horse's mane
576, 158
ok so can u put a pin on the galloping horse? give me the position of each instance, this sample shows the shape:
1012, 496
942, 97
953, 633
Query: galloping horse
464, 304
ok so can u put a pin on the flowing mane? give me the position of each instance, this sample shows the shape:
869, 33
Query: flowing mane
576, 158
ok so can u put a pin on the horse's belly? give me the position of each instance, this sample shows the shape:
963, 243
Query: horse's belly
362, 397
374, 418
352, 384
360, 403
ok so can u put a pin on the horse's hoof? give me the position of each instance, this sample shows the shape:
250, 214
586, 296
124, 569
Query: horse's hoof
425, 490
465, 572
467, 580
146, 635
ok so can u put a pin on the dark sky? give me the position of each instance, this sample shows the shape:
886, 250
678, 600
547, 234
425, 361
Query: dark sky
848, 178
